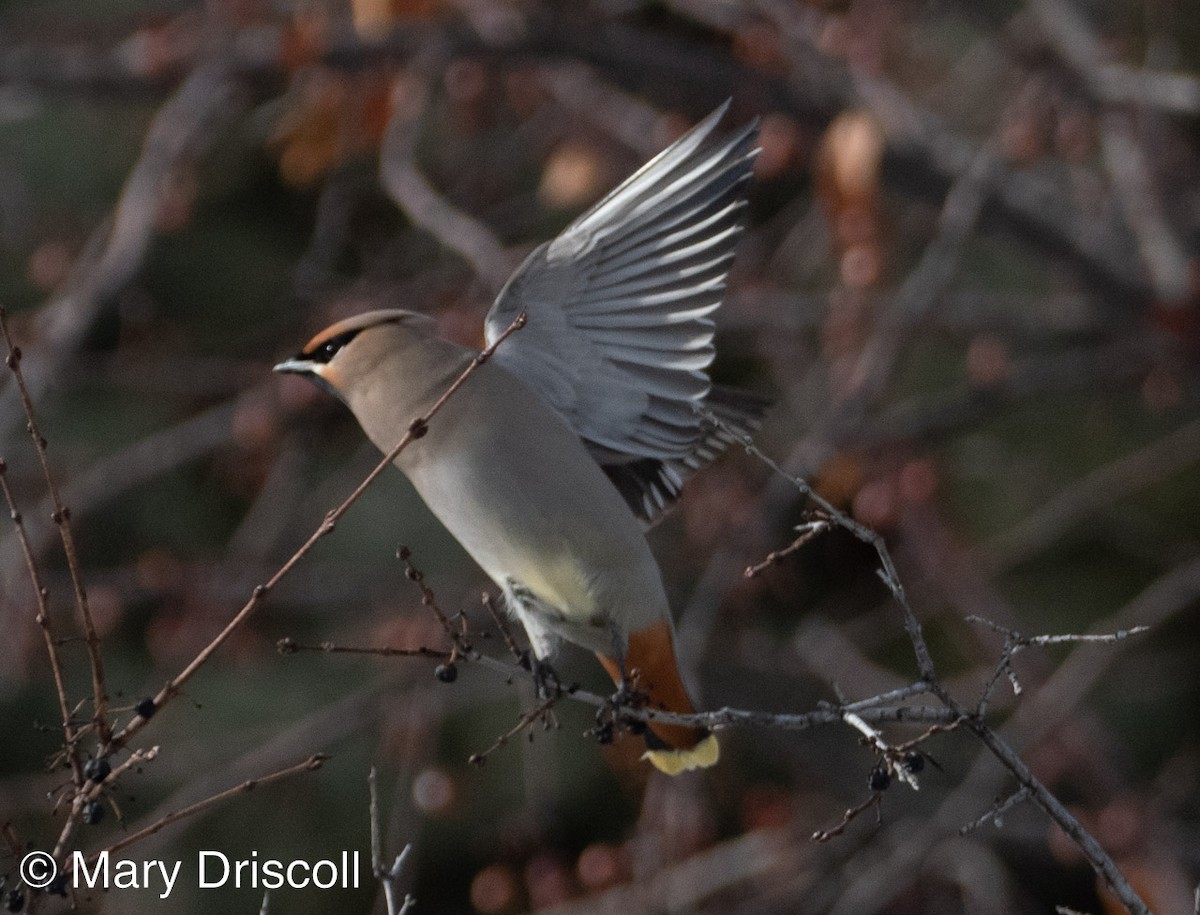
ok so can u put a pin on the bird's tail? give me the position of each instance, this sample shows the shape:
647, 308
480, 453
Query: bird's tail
651, 665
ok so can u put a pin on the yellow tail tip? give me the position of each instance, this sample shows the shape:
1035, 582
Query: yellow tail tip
673, 762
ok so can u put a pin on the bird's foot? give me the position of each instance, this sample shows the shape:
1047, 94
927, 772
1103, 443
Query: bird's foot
545, 678
613, 716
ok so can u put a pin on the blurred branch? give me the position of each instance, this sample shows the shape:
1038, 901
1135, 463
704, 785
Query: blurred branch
923, 287
186, 125
819, 86
1108, 366
1162, 251
1115, 84
413, 193
1035, 201
686, 885
1093, 492
140, 462
581, 91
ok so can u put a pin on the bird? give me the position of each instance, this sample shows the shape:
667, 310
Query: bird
555, 457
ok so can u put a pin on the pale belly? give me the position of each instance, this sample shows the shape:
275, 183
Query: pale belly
540, 516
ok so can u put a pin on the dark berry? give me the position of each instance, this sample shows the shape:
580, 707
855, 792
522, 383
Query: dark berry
93, 812
914, 762
447, 673
879, 779
97, 770
146, 708
14, 901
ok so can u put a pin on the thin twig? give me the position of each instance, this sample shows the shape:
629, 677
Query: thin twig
314, 762
287, 646
541, 712
996, 811
40, 594
807, 533
62, 518
385, 875
457, 637
1015, 642
875, 800
887, 571
505, 632
876, 709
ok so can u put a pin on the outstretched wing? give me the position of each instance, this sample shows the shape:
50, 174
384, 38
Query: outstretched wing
619, 333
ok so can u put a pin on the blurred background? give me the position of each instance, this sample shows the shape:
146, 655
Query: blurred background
970, 285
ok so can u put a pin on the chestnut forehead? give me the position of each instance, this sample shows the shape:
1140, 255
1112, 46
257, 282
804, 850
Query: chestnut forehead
359, 322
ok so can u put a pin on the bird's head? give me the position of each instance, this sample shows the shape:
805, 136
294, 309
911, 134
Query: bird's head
346, 352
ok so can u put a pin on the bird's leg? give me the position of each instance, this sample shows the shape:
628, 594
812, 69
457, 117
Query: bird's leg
545, 678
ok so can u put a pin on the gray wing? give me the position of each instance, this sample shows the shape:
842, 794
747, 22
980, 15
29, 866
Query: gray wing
619, 335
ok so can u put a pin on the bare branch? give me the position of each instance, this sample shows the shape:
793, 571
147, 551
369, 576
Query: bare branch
1097, 857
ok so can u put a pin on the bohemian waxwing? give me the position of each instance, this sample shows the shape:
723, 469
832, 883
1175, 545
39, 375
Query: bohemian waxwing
554, 458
